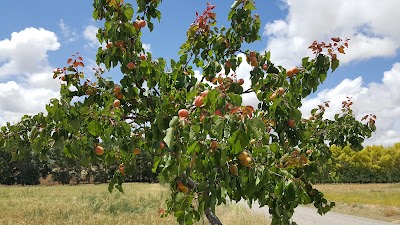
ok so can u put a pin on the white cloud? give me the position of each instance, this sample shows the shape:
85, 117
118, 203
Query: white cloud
26, 51
69, 35
90, 34
29, 84
20, 98
243, 72
367, 23
147, 47
381, 99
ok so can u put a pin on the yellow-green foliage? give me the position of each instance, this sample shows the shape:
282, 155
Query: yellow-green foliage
372, 164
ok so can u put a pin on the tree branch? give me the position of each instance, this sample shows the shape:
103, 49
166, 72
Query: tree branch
248, 91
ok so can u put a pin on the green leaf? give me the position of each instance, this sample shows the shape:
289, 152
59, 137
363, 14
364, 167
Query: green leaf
157, 161
218, 127
169, 137
67, 152
128, 13
335, 64
173, 121
194, 147
113, 180
127, 128
250, 5
94, 128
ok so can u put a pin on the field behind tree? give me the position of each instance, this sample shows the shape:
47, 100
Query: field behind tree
142, 202
375, 201
93, 204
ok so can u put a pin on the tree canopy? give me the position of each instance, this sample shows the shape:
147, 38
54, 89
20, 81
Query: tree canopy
208, 145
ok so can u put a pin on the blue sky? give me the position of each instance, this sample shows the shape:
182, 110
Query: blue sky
37, 37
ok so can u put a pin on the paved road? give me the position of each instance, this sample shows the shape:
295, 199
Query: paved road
309, 216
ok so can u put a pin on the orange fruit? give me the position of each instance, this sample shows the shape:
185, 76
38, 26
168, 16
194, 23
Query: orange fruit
214, 145
233, 169
116, 103
99, 150
183, 113
131, 65
247, 161
198, 101
243, 155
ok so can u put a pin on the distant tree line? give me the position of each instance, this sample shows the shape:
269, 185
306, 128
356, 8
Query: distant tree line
373, 164
65, 170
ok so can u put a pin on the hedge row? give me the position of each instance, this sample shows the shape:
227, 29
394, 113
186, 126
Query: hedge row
373, 164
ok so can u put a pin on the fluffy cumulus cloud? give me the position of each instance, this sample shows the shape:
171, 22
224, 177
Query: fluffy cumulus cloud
89, 33
26, 82
26, 51
371, 25
381, 99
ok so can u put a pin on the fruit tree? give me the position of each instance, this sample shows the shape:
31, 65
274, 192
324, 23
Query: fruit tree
206, 143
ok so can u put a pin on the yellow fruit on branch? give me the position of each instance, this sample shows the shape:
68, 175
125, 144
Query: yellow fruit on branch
243, 155
247, 162
233, 169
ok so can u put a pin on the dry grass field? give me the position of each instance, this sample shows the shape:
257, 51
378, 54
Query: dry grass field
375, 201
93, 204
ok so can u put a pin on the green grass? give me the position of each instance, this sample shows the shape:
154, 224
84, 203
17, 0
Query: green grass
93, 204
375, 201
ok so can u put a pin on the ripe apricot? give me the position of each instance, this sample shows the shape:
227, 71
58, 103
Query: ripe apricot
136, 25
289, 73
204, 93
240, 81
247, 161
116, 103
228, 64
280, 91
119, 96
142, 23
272, 97
136, 151
99, 150
214, 145
162, 145
131, 65
218, 112
198, 101
291, 123
183, 113
233, 169
121, 168
202, 118
117, 89
243, 155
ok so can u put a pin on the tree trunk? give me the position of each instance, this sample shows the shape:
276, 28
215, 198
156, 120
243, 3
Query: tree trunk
211, 217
